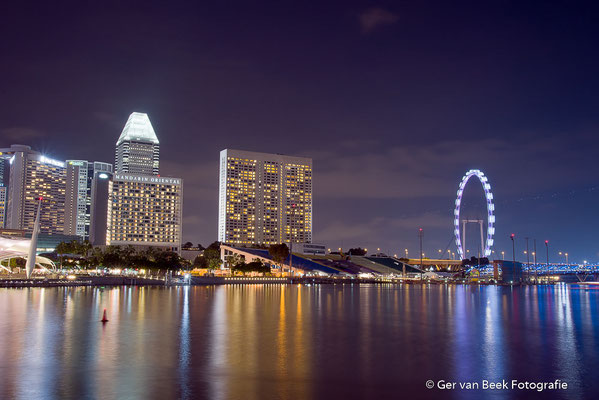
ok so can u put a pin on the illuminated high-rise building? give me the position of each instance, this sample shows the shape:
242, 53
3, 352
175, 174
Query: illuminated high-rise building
33, 175
144, 209
81, 179
264, 198
3, 195
138, 149
3, 188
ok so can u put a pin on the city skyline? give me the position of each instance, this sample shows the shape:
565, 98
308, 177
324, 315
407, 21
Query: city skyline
392, 117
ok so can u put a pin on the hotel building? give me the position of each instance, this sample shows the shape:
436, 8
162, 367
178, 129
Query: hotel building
144, 209
264, 198
33, 175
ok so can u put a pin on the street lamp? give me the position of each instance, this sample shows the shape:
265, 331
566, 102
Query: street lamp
513, 248
420, 235
547, 247
566, 258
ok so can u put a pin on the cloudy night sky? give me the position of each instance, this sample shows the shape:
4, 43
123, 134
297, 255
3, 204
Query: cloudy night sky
394, 101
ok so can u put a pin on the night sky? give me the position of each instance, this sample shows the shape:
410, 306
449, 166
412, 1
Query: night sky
394, 101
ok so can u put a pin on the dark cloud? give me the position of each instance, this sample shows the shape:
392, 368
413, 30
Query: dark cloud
376, 17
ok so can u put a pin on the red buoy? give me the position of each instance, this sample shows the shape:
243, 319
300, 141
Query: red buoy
104, 319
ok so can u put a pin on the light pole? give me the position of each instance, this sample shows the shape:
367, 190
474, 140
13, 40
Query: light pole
527, 255
406, 250
503, 255
547, 247
566, 258
513, 249
420, 235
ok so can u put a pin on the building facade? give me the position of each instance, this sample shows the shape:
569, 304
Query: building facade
264, 198
81, 176
33, 175
3, 198
145, 210
4, 174
98, 212
137, 149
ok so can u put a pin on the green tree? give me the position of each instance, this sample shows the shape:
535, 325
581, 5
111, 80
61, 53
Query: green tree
212, 255
358, 251
254, 266
168, 260
112, 256
279, 253
61, 249
95, 258
200, 262
187, 245
214, 263
234, 259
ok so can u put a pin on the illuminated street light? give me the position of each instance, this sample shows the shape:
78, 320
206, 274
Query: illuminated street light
512, 236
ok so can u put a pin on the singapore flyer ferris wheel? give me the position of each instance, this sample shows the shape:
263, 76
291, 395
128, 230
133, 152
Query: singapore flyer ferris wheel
460, 237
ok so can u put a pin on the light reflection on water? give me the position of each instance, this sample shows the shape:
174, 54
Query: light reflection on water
292, 342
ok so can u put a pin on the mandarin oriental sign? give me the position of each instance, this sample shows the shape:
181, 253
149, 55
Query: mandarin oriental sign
147, 179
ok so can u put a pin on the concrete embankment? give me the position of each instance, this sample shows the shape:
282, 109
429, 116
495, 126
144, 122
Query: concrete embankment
79, 281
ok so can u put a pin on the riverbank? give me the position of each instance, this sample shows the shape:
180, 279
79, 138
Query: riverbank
87, 280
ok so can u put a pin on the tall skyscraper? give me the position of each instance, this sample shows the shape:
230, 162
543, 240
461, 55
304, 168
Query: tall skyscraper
138, 149
144, 209
79, 200
264, 198
100, 194
3, 198
3, 188
33, 175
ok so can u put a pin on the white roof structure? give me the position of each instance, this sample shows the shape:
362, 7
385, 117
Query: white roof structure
19, 248
138, 128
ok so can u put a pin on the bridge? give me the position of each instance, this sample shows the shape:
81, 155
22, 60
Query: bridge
560, 268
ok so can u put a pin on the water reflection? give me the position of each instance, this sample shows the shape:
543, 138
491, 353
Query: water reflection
291, 342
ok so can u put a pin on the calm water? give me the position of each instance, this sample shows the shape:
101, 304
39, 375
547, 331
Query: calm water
295, 342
